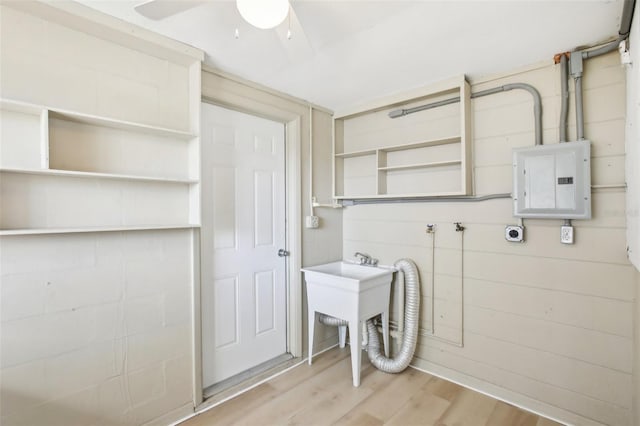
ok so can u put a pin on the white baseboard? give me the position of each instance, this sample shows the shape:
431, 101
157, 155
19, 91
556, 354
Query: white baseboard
540, 408
191, 413
173, 417
323, 346
526, 403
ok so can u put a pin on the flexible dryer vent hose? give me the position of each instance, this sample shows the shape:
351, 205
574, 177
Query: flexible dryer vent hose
332, 321
411, 313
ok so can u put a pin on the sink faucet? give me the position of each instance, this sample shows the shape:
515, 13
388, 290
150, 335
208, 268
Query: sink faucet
365, 259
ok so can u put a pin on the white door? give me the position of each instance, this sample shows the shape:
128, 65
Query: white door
243, 228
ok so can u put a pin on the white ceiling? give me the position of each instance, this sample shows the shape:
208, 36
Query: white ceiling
345, 52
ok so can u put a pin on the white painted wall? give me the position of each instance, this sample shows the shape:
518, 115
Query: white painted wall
54, 65
636, 365
95, 327
110, 310
633, 143
546, 325
633, 183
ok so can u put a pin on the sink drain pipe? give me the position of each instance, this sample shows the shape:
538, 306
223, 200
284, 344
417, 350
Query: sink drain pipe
411, 314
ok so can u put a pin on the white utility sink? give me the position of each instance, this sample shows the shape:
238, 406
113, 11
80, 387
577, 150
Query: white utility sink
351, 292
347, 275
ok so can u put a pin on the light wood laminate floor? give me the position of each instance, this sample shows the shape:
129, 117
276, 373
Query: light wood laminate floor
322, 394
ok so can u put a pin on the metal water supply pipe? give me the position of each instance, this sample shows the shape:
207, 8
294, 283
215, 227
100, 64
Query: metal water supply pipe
579, 108
578, 56
626, 18
564, 97
402, 112
427, 199
609, 47
537, 103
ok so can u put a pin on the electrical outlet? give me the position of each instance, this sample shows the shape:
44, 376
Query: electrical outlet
514, 233
312, 222
566, 234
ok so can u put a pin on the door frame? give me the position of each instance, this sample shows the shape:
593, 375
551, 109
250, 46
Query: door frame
293, 197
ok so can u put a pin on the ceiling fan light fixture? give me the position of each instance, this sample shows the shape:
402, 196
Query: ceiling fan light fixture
263, 14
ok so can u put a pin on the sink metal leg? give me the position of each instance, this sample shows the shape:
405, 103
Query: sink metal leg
342, 335
355, 331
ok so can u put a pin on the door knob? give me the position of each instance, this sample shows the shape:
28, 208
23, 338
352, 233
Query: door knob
283, 253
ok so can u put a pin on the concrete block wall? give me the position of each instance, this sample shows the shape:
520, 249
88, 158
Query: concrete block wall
47, 63
96, 328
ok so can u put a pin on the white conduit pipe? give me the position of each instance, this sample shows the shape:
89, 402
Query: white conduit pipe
411, 314
311, 205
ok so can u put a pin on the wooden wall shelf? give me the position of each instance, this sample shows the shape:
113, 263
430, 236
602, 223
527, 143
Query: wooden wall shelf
69, 172
423, 154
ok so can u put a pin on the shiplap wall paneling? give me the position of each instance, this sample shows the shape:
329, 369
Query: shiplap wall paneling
448, 264
546, 325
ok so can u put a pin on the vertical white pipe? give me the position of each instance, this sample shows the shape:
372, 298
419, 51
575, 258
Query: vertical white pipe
433, 278
333, 159
400, 286
462, 286
311, 208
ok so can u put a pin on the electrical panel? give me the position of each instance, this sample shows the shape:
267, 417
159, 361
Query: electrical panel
552, 181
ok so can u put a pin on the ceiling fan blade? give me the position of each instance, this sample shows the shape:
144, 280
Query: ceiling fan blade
161, 9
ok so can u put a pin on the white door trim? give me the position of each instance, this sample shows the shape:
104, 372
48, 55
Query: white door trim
197, 319
293, 131
294, 236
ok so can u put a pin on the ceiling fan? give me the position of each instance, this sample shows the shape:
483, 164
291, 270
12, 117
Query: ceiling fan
263, 14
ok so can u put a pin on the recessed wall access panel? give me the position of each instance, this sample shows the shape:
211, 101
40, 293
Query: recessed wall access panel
552, 181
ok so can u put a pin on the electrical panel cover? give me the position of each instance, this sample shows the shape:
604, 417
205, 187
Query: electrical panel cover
552, 181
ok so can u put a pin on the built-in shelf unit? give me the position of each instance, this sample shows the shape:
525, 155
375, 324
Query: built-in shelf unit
423, 154
67, 172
